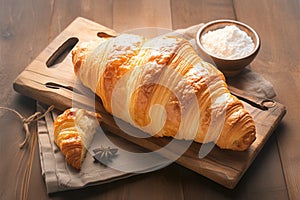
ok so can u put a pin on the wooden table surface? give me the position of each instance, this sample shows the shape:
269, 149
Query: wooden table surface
27, 27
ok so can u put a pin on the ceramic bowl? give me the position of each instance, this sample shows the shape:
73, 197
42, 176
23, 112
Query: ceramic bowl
229, 66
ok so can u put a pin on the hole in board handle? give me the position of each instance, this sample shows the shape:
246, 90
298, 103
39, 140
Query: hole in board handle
104, 35
61, 53
269, 103
57, 86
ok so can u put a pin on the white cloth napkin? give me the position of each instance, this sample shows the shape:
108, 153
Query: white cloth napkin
57, 174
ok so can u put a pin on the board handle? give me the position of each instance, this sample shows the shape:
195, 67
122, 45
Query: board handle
62, 51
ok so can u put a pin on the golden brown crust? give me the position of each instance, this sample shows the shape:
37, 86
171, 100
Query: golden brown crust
116, 67
78, 57
68, 138
150, 70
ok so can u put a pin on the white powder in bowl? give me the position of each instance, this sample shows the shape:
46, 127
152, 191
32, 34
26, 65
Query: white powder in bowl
228, 42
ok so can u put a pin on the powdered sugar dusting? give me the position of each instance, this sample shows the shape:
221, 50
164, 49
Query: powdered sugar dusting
228, 42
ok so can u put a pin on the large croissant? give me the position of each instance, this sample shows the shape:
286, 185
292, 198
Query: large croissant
74, 130
133, 75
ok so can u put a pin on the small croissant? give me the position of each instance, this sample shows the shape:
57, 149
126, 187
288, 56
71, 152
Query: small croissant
74, 130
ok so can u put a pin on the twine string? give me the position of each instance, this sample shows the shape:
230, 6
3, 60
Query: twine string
24, 187
27, 121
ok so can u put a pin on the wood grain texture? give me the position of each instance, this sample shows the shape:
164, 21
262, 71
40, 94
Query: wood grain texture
224, 167
190, 12
141, 14
26, 29
233, 10
21, 26
279, 62
19, 33
64, 12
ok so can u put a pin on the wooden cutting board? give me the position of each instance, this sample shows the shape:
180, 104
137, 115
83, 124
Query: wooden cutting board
50, 79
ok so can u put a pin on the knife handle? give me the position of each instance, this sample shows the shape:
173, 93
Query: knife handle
261, 103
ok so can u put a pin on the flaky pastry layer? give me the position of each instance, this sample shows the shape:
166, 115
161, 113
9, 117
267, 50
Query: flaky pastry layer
164, 88
74, 130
